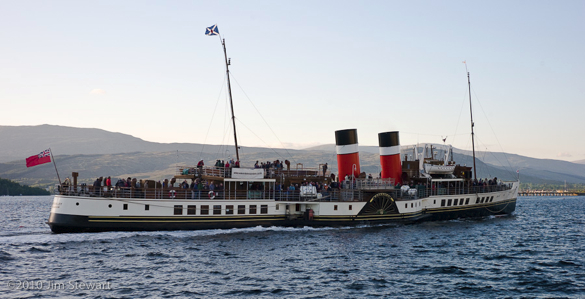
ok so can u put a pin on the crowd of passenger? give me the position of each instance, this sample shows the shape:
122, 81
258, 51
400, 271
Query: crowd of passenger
277, 164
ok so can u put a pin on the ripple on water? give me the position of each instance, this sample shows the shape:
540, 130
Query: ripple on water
480, 258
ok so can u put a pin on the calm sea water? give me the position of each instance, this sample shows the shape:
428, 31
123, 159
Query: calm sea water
537, 252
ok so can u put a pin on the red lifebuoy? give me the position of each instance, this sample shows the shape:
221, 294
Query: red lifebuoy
211, 194
172, 194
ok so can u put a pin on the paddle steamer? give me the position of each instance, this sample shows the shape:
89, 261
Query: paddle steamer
421, 188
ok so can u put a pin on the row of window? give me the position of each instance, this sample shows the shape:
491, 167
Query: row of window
412, 205
464, 201
217, 209
350, 207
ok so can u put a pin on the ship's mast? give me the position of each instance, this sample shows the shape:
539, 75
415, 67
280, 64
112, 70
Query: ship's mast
227, 70
472, 124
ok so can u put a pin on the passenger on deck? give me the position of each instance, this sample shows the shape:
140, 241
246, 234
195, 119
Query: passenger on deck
237, 164
324, 169
97, 186
185, 185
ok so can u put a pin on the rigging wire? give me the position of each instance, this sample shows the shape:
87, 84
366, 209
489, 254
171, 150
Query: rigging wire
460, 113
212, 116
239, 121
261, 116
493, 132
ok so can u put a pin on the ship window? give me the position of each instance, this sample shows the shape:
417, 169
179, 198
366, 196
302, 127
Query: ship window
335, 208
125, 206
482, 199
477, 200
442, 202
411, 205
252, 209
350, 207
298, 207
229, 210
205, 210
455, 201
491, 199
216, 210
191, 210
405, 205
109, 206
146, 207
277, 207
449, 202
435, 202
241, 209
178, 210
461, 201
467, 201
264, 209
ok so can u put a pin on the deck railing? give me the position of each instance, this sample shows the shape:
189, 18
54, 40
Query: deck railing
347, 192
269, 173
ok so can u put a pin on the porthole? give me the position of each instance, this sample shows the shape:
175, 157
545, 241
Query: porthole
76, 203
110, 206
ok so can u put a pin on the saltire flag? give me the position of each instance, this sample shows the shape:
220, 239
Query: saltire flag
42, 158
213, 30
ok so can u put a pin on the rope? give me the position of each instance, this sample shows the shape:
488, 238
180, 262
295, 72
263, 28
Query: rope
499, 210
212, 116
261, 116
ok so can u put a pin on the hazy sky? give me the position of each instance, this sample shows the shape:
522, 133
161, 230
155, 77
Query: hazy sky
301, 70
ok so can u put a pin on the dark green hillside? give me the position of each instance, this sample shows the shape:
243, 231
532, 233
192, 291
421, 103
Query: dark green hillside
8, 187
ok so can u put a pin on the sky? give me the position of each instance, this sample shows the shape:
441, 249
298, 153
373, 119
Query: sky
301, 70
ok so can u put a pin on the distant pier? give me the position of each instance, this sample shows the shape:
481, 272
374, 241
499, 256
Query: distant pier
549, 193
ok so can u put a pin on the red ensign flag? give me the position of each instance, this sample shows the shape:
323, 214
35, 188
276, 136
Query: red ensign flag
42, 158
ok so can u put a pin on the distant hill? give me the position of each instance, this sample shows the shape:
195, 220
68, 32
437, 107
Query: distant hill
95, 152
547, 169
531, 169
579, 162
20, 142
8, 187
